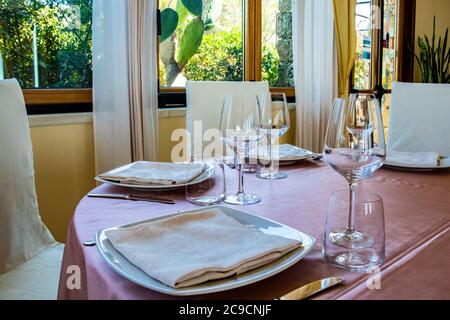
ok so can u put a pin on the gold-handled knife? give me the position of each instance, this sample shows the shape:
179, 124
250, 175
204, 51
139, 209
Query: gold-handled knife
130, 197
312, 289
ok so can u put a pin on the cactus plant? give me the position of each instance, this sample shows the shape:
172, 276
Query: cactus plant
192, 21
434, 60
170, 18
194, 6
190, 41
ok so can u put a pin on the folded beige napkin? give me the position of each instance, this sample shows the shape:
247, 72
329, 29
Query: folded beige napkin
420, 159
144, 173
286, 152
190, 249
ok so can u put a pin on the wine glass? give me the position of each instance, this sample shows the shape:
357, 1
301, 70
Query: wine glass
355, 148
275, 123
240, 122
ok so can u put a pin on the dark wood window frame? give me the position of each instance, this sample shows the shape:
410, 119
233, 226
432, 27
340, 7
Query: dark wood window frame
52, 101
405, 35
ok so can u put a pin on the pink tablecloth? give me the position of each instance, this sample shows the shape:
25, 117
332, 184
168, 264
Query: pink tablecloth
417, 212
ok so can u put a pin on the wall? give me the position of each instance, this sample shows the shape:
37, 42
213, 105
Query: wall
166, 126
425, 11
64, 166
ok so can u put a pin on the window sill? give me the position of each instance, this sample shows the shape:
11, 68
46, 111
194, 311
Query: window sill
171, 113
47, 120
181, 112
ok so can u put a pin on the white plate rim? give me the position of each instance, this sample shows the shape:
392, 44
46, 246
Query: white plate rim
445, 164
197, 180
291, 159
273, 268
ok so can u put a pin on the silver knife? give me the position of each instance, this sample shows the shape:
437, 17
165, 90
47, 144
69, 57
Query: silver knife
312, 288
129, 197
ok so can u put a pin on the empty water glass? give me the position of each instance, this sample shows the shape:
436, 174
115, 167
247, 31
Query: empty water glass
368, 218
212, 188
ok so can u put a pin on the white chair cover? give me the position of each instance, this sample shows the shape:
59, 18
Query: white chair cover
419, 118
205, 100
22, 233
36, 279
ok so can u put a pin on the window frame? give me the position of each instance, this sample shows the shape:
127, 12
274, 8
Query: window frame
40, 101
176, 97
57, 96
58, 101
405, 37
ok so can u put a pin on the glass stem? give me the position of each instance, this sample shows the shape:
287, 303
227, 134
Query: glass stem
272, 163
241, 179
352, 208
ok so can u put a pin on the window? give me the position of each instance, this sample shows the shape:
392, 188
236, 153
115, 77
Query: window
230, 40
382, 55
47, 46
206, 45
277, 55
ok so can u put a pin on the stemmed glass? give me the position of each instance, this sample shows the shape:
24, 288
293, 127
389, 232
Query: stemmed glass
240, 122
355, 148
275, 123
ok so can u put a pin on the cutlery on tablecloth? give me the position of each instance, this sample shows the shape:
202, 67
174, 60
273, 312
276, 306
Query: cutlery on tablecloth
312, 289
314, 156
89, 243
130, 197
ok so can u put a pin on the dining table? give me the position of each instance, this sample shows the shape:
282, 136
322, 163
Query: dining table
417, 225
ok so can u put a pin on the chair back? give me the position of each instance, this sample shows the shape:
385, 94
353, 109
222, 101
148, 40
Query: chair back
419, 118
22, 232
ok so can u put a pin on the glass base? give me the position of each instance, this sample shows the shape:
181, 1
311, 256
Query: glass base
360, 261
206, 201
242, 199
351, 239
272, 176
250, 168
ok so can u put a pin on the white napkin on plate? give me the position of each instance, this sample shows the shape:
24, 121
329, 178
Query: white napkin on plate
190, 249
144, 173
286, 152
419, 159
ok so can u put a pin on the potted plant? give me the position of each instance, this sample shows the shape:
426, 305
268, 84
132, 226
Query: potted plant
434, 59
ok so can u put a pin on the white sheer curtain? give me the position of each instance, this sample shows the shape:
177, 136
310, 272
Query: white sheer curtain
315, 67
125, 82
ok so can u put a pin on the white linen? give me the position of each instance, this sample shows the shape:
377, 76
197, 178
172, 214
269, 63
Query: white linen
204, 106
419, 159
22, 232
284, 152
36, 279
145, 173
190, 249
125, 82
419, 118
315, 69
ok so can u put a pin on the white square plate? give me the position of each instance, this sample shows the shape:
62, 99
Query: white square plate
287, 153
207, 173
121, 265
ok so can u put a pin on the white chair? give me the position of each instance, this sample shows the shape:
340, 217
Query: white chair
205, 99
30, 259
419, 118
